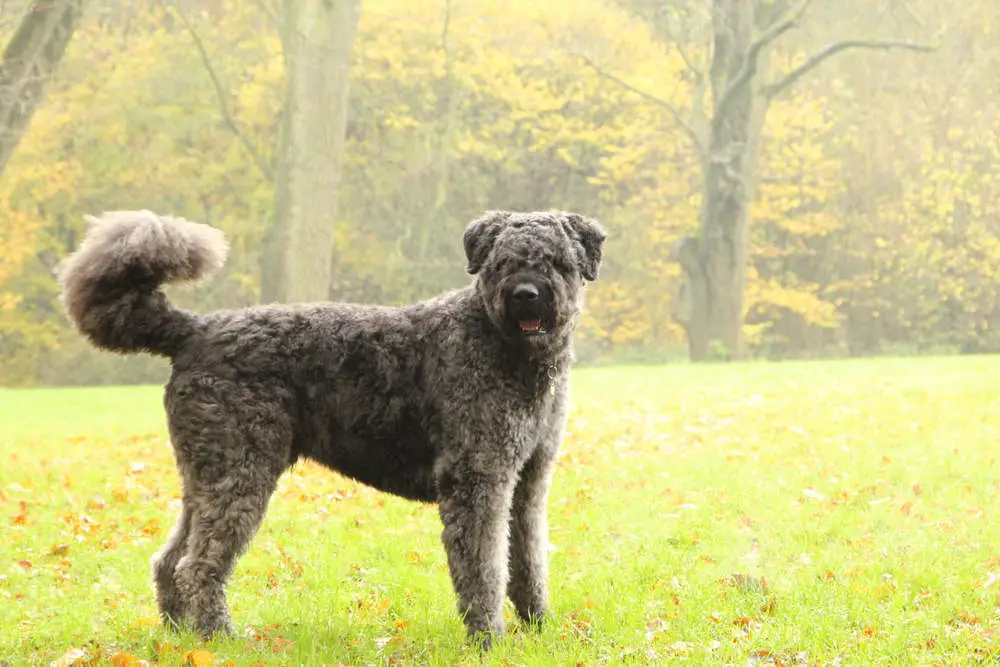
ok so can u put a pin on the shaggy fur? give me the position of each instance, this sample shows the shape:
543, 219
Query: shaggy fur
459, 400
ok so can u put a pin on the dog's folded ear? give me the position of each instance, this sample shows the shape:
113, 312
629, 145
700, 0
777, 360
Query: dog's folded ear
479, 237
590, 237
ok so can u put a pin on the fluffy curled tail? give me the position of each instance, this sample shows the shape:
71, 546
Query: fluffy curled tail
111, 285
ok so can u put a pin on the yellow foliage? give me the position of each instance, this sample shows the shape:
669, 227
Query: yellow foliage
501, 110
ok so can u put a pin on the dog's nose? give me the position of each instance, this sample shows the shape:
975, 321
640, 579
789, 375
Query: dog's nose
525, 292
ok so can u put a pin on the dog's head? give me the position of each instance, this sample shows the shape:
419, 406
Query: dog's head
531, 269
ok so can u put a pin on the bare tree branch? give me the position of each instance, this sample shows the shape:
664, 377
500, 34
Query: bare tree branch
270, 13
220, 93
444, 28
687, 126
774, 89
696, 71
776, 29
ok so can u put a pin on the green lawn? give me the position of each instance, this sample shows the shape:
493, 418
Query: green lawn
798, 513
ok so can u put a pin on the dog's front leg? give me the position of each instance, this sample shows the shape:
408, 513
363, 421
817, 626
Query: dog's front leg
475, 510
529, 533
528, 585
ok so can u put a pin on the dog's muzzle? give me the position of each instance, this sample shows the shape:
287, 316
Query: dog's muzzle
530, 307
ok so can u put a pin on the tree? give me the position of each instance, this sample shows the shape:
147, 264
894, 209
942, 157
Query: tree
712, 294
874, 217
318, 39
29, 62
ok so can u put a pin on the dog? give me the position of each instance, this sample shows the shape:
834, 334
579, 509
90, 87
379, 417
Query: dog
460, 400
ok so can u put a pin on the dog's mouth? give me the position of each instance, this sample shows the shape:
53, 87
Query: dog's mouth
531, 327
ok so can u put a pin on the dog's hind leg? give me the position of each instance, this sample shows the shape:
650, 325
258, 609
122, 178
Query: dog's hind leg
168, 598
227, 514
230, 455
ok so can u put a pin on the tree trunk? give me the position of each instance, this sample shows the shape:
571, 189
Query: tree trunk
318, 37
29, 62
710, 301
715, 263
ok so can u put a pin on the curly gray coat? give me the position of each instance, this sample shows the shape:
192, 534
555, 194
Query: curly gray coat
460, 400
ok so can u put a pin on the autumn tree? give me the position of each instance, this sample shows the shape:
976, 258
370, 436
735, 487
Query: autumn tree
726, 130
29, 62
875, 195
318, 40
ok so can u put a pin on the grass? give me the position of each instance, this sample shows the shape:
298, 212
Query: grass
799, 513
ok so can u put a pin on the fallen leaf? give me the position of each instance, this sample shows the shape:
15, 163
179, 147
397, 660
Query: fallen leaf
59, 550
74, 656
964, 618
145, 622
199, 658
166, 649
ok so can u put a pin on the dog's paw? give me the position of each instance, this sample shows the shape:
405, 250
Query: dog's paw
484, 639
533, 616
208, 629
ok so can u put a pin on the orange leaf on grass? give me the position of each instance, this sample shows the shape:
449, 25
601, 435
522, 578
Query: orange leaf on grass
125, 660
281, 645
964, 618
145, 622
199, 658
165, 649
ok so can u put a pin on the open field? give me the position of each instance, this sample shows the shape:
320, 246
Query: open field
855, 502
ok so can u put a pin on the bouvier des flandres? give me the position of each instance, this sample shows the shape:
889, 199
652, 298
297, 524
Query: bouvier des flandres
459, 400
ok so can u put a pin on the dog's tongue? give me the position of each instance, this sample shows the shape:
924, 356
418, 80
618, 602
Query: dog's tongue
531, 325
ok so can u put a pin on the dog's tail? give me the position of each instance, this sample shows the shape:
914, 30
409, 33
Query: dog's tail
111, 286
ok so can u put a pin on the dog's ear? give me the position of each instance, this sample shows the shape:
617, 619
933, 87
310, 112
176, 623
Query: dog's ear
590, 237
479, 237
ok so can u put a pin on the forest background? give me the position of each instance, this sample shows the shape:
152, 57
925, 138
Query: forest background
871, 182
